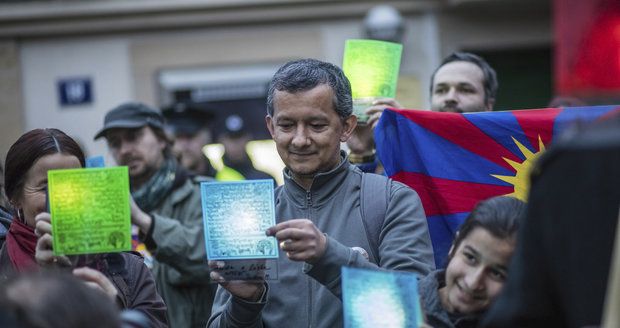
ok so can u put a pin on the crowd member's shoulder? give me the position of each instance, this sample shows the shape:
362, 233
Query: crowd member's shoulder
5, 217
5, 223
602, 135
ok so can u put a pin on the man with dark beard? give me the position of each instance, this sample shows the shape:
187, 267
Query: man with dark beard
463, 83
167, 211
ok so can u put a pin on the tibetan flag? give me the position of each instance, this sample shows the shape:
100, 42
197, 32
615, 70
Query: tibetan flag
454, 160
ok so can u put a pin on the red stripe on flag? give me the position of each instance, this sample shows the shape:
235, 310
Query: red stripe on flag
457, 129
443, 196
537, 122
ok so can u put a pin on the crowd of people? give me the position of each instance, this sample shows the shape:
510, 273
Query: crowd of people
324, 221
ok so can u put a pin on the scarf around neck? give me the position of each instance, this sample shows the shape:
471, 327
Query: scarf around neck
21, 243
150, 194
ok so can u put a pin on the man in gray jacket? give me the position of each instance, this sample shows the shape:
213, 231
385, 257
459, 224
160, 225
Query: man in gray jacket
167, 211
320, 222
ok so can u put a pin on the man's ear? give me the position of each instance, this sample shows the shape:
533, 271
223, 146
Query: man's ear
349, 125
269, 123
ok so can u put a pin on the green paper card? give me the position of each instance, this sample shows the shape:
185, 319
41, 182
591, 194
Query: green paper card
372, 67
90, 210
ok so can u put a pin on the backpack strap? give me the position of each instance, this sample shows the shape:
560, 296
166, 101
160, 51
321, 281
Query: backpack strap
374, 198
276, 193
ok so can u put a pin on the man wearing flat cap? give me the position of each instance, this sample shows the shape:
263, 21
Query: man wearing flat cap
167, 211
189, 126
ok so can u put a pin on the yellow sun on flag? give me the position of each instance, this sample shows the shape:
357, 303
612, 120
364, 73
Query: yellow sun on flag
521, 179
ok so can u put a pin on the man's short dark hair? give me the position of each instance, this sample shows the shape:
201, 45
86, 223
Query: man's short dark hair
489, 77
306, 74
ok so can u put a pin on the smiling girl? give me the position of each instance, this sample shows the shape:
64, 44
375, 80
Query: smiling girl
477, 266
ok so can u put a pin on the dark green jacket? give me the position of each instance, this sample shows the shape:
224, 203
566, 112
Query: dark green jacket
176, 241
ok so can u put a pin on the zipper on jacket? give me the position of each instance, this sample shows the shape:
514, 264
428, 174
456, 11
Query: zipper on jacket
309, 302
309, 205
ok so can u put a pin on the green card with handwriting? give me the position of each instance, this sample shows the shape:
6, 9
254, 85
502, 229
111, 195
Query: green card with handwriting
90, 210
372, 67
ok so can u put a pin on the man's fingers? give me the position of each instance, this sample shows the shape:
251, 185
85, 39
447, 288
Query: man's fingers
291, 233
43, 216
45, 242
215, 265
44, 256
92, 276
88, 274
272, 231
289, 245
296, 223
387, 102
42, 227
373, 120
216, 277
93, 285
375, 110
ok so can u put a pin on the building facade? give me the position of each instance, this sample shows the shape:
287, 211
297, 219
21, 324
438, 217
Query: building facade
64, 64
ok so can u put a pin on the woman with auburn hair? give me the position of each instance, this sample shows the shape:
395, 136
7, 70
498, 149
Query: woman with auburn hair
28, 247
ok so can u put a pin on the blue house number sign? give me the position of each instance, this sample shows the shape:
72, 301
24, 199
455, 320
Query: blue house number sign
75, 91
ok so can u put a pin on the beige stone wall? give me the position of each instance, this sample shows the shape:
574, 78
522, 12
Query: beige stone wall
217, 47
11, 118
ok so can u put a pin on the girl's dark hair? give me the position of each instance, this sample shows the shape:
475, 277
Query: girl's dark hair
28, 149
500, 216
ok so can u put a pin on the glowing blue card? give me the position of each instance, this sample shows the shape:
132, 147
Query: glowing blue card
236, 215
380, 299
95, 161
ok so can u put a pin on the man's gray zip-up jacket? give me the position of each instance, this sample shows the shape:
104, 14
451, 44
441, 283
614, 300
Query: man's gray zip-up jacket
307, 295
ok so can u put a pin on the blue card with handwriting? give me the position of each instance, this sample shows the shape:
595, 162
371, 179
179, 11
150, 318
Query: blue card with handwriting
235, 216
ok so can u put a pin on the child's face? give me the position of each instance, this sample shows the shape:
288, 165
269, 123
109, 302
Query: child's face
476, 273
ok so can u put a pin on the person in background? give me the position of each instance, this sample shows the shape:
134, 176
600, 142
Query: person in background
463, 82
121, 276
166, 209
237, 163
477, 266
320, 225
189, 125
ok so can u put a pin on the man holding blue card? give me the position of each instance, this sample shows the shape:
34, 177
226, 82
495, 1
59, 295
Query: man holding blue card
322, 224
166, 210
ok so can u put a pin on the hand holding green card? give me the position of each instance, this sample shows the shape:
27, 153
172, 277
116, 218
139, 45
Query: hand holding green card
90, 210
372, 67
